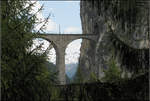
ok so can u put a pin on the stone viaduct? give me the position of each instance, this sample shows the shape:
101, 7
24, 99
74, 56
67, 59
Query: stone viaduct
60, 42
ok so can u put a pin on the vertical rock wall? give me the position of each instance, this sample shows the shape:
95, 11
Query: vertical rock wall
100, 17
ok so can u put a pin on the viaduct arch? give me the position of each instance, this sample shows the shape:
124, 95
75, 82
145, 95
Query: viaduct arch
60, 42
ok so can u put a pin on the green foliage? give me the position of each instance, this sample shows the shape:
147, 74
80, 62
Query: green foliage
56, 94
132, 89
113, 73
93, 77
24, 74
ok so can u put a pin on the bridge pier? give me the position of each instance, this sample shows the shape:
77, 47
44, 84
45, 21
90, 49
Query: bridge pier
60, 64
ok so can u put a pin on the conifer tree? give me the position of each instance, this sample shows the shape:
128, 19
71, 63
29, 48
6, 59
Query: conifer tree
24, 76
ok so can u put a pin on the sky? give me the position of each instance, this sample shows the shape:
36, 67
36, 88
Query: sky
65, 14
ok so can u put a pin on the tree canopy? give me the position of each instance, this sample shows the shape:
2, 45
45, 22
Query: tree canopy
25, 76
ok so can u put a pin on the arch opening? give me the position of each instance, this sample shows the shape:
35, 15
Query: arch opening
72, 55
41, 45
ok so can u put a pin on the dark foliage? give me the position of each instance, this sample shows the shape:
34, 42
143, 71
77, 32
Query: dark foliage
133, 89
24, 74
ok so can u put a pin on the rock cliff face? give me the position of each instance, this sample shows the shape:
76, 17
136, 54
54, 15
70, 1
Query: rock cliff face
122, 35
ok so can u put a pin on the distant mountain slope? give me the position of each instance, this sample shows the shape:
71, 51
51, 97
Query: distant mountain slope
71, 69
